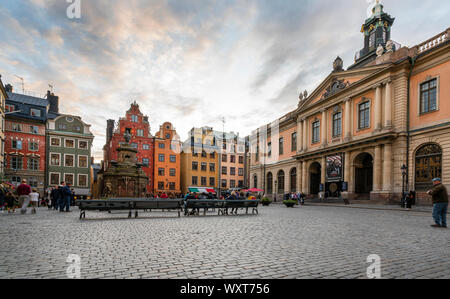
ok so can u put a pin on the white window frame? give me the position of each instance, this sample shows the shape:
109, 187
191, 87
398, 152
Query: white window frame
419, 92
74, 162
87, 180
55, 138
29, 146
65, 139
59, 154
81, 140
50, 178
87, 161
72, 174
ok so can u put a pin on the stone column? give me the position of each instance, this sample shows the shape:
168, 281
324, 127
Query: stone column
348, 120
347, 163
304, 176
299, 135
388, 105
305, 134
299, 177
377, 169
324, 128
377, 105
387, 168
323, 170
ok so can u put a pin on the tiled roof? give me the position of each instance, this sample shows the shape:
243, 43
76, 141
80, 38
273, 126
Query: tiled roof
21, 98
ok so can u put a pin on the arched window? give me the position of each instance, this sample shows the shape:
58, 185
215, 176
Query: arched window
280, 178
428, 166
293, 176
255, 181
269, 183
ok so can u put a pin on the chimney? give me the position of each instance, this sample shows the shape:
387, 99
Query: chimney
53, 101
109, 129
8, 88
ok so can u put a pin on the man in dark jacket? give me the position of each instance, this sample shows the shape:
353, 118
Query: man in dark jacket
65, 197
440, 203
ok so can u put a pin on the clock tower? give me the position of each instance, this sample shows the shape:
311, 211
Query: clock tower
377, 31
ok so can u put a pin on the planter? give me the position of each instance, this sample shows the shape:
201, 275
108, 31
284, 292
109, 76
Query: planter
290, 205
266, 204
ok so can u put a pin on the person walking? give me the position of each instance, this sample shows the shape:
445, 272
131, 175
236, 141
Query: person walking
440, 203
65, 197
10, 202
34, 198
24, 191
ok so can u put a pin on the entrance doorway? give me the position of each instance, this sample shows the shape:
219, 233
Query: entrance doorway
363, 176
315, 171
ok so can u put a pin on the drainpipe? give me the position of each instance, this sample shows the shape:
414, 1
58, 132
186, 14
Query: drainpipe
412, 61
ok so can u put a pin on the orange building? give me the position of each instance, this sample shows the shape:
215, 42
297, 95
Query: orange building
167, 160
370, 132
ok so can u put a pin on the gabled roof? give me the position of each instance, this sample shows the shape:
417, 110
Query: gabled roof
29, 100
326, 88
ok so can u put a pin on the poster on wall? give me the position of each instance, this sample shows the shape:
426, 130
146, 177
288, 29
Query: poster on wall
334, 169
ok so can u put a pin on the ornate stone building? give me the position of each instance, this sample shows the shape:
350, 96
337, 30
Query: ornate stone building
369, 132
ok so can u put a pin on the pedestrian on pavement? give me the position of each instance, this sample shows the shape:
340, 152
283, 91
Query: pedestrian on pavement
24, 191
54, 196
440, 203
410, 200
65, 197
34, 198
10, 202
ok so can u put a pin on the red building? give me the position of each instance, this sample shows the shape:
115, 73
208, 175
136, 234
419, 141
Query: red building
25, 151
138, 126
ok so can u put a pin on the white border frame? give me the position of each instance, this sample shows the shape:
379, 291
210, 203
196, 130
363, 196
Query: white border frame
419, 92
87, 161
55, 138
50, 178
74, 162
74, 143
50, 160
82, 140
87, 180
73, 185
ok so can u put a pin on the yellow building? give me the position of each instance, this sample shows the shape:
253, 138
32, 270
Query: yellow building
200, 160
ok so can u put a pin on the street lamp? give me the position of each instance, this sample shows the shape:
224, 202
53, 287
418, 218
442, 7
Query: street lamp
404, 174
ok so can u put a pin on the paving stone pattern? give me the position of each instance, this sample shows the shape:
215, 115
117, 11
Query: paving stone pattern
304, 242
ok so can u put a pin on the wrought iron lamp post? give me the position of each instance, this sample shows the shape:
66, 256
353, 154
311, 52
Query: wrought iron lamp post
404, 174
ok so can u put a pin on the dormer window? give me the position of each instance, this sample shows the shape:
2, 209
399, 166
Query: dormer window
35, 112
134, 118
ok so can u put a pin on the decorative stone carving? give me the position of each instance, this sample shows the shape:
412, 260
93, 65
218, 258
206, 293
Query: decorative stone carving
301, 96
305, 94
335, 86
390, 47
338, 65
380, 50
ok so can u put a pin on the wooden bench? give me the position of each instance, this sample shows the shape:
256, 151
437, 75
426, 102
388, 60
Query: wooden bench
128, 205
222, 205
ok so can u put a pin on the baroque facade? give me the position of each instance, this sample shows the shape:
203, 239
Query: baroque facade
370, 132
3, 97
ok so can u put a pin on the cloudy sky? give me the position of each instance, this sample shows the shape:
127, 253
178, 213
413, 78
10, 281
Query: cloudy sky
191, 62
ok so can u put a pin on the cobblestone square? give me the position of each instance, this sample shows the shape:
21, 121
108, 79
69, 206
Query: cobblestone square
307, 242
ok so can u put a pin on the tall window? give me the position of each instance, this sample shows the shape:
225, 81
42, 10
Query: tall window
428, 166
212, 167
140, 132
172, 172
173, 158
203, 181
364, 115
293, 176
428, 92
16, 163
269, 149
204, 166
294, 142
316, 132
134, 118
17, 144
161, 158
82, 180
280, 178
269, 186
337, 124
281, 145
161, 171
55, 160
33, 164
194, 181
194, 165
212, 182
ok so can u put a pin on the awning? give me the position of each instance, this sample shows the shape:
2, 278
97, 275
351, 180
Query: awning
201, 190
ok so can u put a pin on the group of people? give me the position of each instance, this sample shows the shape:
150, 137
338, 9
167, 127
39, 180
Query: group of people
61, 197
23, 197
296, 196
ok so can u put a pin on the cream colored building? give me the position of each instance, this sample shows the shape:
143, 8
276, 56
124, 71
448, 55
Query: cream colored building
354, 132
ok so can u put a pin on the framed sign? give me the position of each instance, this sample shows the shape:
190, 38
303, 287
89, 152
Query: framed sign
334, 168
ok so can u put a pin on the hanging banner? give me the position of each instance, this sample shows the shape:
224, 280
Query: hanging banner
334, 169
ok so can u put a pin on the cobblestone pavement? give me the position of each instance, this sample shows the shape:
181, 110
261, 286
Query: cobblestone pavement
306, 242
